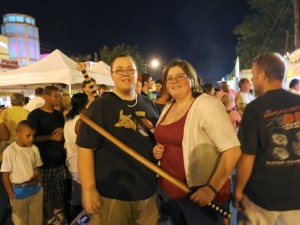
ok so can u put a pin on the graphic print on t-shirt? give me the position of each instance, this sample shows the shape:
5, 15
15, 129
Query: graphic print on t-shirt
127, 121
280, 152
284, 131
296, 144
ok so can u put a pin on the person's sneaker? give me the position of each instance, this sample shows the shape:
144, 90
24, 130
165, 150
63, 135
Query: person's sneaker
53, 221
61, 217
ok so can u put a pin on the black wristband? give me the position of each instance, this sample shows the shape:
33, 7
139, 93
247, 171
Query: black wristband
212, 188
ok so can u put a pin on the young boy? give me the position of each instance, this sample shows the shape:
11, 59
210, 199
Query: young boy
20, 174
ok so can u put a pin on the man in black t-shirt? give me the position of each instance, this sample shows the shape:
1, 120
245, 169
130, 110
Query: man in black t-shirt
268, 172
49, 124
114, 185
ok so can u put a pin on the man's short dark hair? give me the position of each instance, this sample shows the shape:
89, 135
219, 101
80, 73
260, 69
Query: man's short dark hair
25, 123
159, 81
39, 91
48, 90
272, 64
145, 78
242, 81
121, 56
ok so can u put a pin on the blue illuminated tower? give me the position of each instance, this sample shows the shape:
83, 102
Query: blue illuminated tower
23, 38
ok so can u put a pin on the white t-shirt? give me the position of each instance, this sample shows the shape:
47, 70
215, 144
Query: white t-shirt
35, 103
248, 97
70, 139
21, 162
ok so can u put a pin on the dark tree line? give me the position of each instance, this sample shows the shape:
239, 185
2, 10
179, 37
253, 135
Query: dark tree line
268, 27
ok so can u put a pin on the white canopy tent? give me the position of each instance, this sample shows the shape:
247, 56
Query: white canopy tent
100, 68
54, 68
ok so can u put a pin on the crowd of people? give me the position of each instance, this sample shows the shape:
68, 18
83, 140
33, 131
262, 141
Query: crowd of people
198, 133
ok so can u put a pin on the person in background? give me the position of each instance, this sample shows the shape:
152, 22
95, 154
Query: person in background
191, 123
294, 86
13, 115
235, 119
4, 136
37, 102
158, 86
267, 189
2, 107
102, 88
147, 84
164, 98
26, 100
116, 188
244, 96
4, 132
9, 118
234, 116
209, 89
88, 91
218, 93
226, 89
49, 124
65, 104
71, 128
20, 173
138, 86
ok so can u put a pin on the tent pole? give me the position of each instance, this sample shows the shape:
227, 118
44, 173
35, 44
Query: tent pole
70, 89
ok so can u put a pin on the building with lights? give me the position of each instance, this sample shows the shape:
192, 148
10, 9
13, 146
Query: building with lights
23, 38
5, 62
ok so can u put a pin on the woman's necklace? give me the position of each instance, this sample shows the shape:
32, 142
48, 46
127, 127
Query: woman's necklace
126, 103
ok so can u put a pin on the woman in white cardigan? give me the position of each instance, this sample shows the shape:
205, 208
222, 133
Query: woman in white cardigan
197, 145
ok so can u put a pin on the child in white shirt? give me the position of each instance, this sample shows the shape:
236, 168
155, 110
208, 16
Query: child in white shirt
20, 173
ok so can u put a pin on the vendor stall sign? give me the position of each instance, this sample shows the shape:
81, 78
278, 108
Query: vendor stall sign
6, 65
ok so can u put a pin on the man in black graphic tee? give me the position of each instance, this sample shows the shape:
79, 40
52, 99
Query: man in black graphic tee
268, 171
115, 186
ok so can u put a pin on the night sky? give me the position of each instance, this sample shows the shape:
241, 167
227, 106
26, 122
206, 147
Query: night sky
200, 31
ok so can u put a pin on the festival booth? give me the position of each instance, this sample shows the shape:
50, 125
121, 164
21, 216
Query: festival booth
56, 68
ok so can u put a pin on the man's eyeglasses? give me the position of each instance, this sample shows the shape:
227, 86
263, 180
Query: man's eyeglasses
179, 77
122, 71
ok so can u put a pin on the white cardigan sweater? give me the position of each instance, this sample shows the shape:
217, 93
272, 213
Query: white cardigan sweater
208, 131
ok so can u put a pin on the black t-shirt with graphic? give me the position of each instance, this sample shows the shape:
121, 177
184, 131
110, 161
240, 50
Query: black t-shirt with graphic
52, 152
270, 130
118, 175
